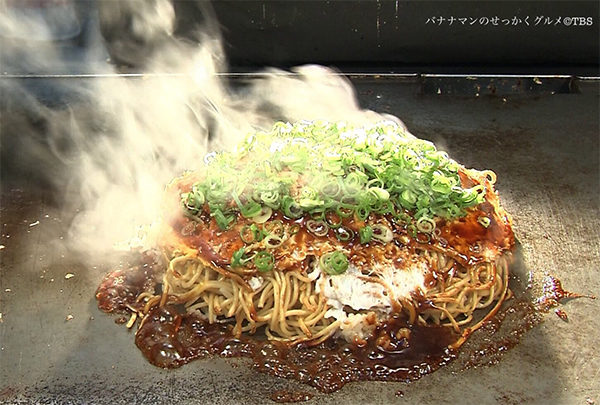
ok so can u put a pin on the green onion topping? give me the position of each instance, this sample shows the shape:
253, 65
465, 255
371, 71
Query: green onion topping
317, 227
365, 233
484, 221
264, 261
334, 263
239, 258
328, 173
344, 234
426, 225
222, 220
250, 233
382, 233
314, 168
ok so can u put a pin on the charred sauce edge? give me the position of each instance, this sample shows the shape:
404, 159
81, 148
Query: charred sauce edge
169, 338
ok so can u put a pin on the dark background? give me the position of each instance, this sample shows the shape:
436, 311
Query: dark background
396, 35
350, 35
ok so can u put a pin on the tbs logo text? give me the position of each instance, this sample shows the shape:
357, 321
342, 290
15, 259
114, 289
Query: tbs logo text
578, 21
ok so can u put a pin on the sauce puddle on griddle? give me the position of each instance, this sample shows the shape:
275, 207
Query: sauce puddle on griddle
168, 337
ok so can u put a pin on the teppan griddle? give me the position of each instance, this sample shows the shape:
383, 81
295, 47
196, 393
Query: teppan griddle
542, 140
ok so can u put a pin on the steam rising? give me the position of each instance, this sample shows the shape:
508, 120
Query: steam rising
119, 140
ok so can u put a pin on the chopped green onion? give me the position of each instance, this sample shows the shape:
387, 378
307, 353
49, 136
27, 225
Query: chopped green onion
334, 263
291, 208
365, 233
356, 180
425, 225
382, 233
412, 230
387, 207
251, 209
317, 214
375, 183
473, 194
348, 201
379, 193
333, 219
317, 228
274, 227
310, 168
309, 199
222, 220
490, 176
408, 199
264, 261
293, 229
344, 212
250, 233
270, 198
193, 201
239, 258
331, 189
263, 216
363, 213
344, 234
402, 216
484, 221
271, 241
441, 183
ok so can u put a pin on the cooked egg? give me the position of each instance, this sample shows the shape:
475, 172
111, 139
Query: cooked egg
351, 290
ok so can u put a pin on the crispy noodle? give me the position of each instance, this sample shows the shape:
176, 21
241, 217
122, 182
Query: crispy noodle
285, 303
456, 277
288, 307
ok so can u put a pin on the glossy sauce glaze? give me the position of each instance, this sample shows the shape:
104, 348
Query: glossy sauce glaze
465, 238
396, 352
500, 334
168, 337
120, 288
284, 396
553, 294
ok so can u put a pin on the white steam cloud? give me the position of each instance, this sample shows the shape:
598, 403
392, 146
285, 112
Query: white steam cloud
118, 140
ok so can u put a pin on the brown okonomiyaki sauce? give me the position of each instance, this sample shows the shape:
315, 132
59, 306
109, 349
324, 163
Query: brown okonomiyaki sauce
169, 339
119, 289
553, 293
506, 329
284, 396
499, 334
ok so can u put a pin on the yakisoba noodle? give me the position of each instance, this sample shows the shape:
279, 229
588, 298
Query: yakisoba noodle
319, 229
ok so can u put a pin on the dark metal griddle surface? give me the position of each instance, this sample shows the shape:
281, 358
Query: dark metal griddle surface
545, 150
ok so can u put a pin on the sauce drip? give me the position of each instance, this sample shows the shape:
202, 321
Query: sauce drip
561, 314
553, 293
283, 396
500, 334
169, 339
120, 288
